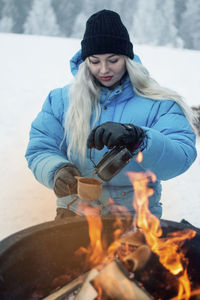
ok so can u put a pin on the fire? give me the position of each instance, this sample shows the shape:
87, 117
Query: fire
168, 249
118, 230
95, 229
96, 250
139, 157
96, 253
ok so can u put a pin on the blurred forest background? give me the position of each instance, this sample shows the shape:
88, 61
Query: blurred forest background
174, 23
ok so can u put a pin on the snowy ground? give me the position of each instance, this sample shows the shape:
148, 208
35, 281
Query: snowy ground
30, 67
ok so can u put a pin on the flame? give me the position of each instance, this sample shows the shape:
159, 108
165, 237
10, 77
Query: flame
98, 253
193, 293
96, 245
118, 230
96, 250
167, 249
139, 157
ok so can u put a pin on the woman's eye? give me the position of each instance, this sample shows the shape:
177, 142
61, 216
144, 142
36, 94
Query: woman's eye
94, 62
113, 61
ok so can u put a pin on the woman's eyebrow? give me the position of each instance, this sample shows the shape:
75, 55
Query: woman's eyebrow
106, 57
112, 55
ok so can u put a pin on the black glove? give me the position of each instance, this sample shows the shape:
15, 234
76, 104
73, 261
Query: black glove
64, 182
113, 134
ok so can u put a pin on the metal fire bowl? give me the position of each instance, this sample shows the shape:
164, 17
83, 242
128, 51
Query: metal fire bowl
37, 255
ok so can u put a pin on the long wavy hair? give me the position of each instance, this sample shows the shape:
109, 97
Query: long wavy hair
84, 97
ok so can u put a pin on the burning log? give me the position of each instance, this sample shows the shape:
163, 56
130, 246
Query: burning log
137, 260
129, 242
135, 238
73, 285
87, 291
112, 280
134, 252
114, 284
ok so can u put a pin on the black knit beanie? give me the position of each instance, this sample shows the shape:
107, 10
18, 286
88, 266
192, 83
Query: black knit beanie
105, 33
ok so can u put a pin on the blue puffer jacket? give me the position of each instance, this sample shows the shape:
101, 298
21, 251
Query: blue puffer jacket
169, 146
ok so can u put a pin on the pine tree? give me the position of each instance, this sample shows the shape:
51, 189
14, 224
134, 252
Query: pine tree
154, 22
7, 20
190, 25
145, 18
13, 14
89, 7
6, 24
41, 20
79, 25
168, 30
126, 9
180, 7
66, 13
1, 8
22, 9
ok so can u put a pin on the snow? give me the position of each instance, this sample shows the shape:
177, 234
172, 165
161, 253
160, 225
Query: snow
33, 65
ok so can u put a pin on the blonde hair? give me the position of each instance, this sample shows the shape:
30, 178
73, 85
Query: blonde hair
84, 99
145, 86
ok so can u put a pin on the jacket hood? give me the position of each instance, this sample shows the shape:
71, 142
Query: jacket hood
76, 60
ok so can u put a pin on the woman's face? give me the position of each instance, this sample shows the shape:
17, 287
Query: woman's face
108, 69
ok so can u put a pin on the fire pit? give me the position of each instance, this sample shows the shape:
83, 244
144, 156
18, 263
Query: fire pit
37, 260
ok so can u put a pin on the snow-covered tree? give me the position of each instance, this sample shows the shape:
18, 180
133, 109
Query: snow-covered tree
144, 28
154, 22
6, 24
7, 21
22, 9
89, 8
41, 20
1, 8
190, 25
180, 7
126, 10
13, 14
79, 25
168, 30
66, 13
167, 22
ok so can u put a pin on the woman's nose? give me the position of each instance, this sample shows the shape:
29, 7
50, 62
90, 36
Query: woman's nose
104, 68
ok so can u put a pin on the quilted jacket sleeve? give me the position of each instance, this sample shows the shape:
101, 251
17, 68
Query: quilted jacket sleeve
43, 153
170, 142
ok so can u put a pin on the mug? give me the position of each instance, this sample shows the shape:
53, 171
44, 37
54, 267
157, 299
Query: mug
88, 189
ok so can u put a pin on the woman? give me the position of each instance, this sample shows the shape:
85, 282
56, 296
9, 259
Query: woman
112, 101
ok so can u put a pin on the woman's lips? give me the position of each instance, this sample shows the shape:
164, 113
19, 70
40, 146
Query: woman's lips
106, 78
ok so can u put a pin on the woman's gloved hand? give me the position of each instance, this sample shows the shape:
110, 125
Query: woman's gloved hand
64, 181
112, 134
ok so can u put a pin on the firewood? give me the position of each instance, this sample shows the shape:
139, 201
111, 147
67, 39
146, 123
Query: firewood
129, 242
137, 259
87, 291
116, 285
135, 238
67, 288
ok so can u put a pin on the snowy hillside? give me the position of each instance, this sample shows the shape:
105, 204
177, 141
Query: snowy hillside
30, 66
